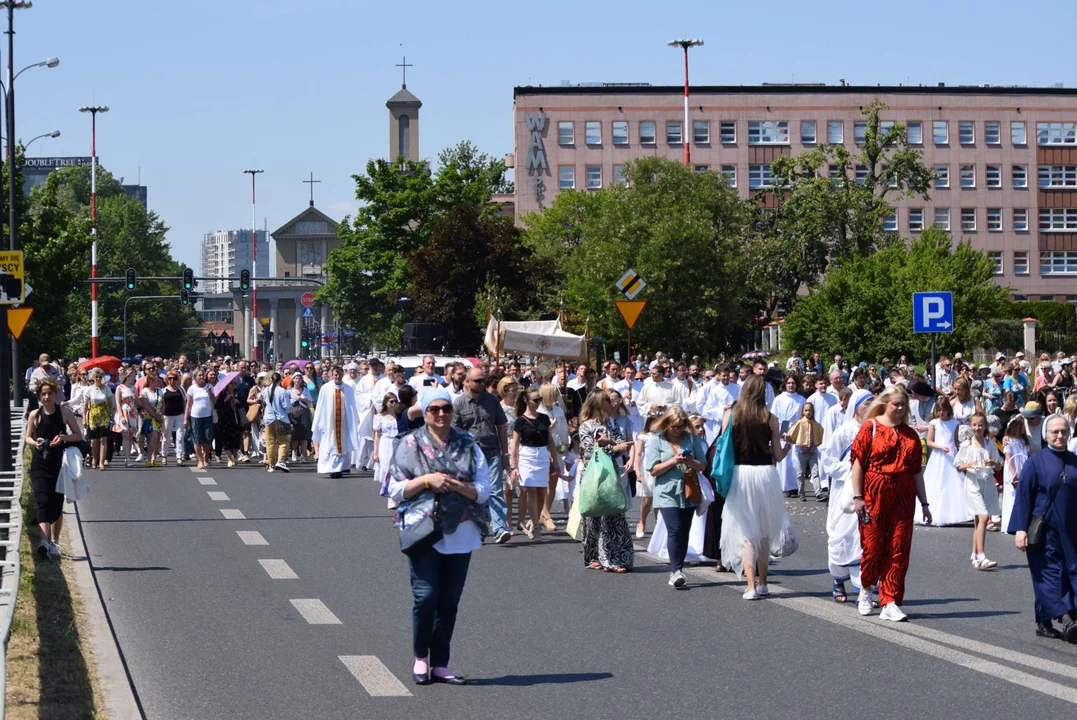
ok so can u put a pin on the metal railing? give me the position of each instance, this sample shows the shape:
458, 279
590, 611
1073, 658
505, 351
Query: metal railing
11, 529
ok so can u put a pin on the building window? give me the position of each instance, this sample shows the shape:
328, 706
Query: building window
835, 132
701, 132
968, 176
730, 173
1020, 298
674, 134
619, 175
807, 132
884, 127
995, 257
728, 129
593, 130
968, 219
942, 176
1018, 134
890, 223
700, 168
835, 175
594, 177
646, 132
1056, 133
860, 132
942, 218
768, 132
759, 176
403, 138
1020, 262
1020, 219
1020, 176
566, 177
940, 132
1058, 219
620, 132
992, 132
966, 132
914, 131
1056, 176
994, 219
994, 176
566, 133
861, 175
1058, 263
916, 219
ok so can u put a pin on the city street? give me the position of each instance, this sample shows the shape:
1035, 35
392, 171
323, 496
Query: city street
240, 594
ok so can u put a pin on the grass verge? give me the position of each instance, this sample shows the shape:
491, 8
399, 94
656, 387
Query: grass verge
49, 665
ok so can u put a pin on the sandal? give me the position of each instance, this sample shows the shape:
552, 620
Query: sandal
992, 527
618, 569
596, 565
839, 592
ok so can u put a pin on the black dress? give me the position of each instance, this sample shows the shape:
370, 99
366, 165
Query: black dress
227, 433
45, 466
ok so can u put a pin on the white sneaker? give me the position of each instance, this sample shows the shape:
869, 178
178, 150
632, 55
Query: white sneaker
282, 467
750, 594
762, 591
892, 613
294, 458
863, 602
270, 469
140, 457
984, 564
677, 579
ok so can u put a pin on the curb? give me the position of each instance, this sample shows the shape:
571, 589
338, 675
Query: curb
115, 682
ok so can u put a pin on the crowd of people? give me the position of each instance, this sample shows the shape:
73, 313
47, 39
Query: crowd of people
884, 446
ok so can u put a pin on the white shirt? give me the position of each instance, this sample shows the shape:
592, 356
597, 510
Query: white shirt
663, 393
822, 402
944, 380
713, 399
629, 394
423, 381
576, 382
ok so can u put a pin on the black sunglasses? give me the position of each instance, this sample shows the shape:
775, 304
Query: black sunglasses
439, 410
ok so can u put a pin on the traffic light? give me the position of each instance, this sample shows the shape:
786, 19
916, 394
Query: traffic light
305, 342
188, 279
185, 297
132, 278
244, 279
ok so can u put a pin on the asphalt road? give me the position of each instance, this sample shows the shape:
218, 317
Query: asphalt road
209, 631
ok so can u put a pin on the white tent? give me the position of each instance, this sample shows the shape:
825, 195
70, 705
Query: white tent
535, 337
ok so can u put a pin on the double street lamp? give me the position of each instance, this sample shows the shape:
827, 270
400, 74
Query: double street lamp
93, 110
685, 136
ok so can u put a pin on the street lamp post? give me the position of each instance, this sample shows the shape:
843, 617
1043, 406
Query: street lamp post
686, 43
93, 110
254, 267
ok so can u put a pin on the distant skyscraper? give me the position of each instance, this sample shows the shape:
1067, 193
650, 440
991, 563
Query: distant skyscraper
226, 253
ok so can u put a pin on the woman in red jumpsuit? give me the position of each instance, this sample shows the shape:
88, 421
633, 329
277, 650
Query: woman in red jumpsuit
887, 478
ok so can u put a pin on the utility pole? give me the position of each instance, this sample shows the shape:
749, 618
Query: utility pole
254, 267
93, 110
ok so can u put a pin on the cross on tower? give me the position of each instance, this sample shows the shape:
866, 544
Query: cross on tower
311, 183
404, 65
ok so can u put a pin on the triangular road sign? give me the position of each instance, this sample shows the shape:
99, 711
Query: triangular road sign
630, 310
17, 319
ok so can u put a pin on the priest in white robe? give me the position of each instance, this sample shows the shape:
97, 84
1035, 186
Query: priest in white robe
715, 397
787, 409
335, 427
365, 408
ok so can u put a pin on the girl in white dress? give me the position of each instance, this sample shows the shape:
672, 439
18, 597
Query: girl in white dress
644, 481
977, 459
1015, 446
944, 485
385, 432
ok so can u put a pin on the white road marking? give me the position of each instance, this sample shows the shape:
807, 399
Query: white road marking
231, 514
197, 469
251, 537
375, 677
217, 496
278, 570
315, 612
207, 481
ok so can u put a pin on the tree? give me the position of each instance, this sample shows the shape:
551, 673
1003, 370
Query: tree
863, 307
828, 205
680, 231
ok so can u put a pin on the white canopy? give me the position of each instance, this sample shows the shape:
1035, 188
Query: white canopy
535, 337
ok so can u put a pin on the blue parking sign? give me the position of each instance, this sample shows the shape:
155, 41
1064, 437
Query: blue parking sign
933, 312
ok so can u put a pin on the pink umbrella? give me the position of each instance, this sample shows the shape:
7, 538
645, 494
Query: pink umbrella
223, 383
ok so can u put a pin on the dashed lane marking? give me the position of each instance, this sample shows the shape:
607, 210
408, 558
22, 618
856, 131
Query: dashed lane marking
217, 496
251, 537
315, 612
207, 481
374, 676
278, 570
233, 514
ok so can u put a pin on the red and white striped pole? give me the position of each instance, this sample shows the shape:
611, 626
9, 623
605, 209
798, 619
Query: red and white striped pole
254, 268
95, 347
687, 134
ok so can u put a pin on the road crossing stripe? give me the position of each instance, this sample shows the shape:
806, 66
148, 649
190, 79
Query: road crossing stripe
197, 469
217, 496
374, 676
315, 612
251, 537
231, 514
207, 481
278, 570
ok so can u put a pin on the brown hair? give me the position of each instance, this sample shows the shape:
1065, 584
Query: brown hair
942, 403
751, 420
592, 406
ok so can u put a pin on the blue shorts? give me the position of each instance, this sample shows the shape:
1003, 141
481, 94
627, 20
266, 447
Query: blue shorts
202, 430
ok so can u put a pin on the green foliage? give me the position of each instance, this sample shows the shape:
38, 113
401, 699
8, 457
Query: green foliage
681, 231
863, 307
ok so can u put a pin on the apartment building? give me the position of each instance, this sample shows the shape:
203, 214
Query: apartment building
226, 253
1006, 157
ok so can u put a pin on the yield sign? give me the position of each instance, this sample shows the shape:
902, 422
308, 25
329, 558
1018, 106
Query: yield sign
17, 319
630, 310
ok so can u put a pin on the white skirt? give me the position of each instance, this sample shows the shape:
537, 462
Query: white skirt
645, 484
981, 494
945, 488
754, 514
1010, 471
533, 464
657, 546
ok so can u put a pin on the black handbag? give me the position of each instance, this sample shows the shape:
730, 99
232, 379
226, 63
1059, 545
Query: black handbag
420, 534
1037, 527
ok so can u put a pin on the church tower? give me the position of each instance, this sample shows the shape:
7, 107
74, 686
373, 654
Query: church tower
404, 122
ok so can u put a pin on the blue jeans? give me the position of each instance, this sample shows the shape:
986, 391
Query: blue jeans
499, 509
437, 582
678, 526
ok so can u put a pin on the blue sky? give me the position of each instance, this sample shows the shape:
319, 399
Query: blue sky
199, 90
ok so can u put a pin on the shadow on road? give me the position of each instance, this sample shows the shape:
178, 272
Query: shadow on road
938, 601
387, 518
967, 614
130, 569
548, 679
